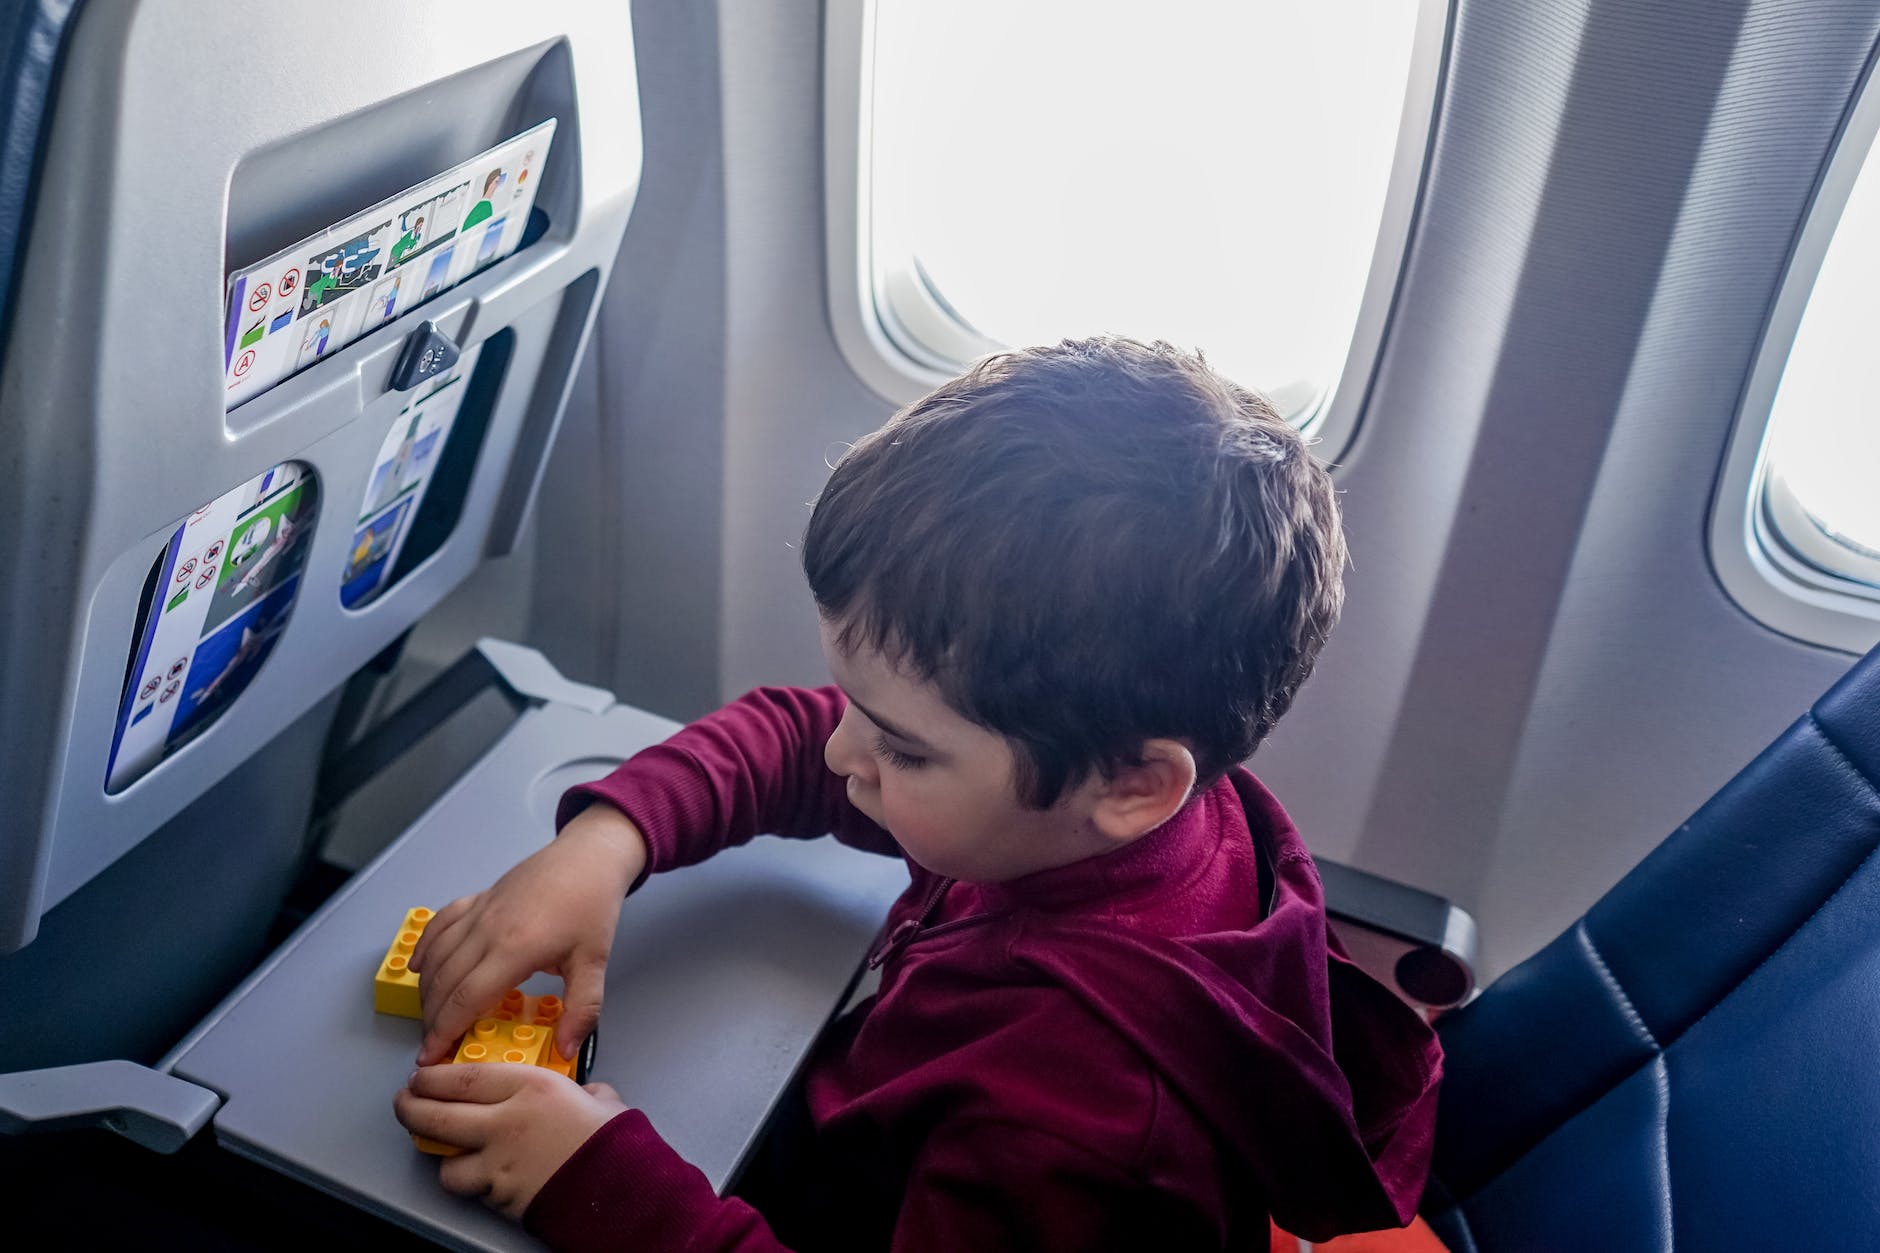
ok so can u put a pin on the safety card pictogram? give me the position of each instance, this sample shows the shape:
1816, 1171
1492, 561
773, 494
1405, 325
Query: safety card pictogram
308, 301
397, 484
223, 592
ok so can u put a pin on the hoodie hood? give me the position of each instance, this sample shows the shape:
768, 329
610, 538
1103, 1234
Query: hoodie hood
1318, 1079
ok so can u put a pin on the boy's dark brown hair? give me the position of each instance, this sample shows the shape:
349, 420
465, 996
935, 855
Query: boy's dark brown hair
1084, 547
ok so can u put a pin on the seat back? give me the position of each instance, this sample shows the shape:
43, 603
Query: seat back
1693, 1063
192, 571
173, 153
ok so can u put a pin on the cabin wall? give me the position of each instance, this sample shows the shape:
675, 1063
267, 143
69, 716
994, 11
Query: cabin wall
1538, 675
634, 491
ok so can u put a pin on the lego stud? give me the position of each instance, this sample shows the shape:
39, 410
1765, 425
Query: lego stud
524, 1034
474, 1052
486, 1027
421, 915
396, 964
407, 941
515, 1055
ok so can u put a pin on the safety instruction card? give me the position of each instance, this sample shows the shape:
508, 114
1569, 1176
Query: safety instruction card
398, 481
222, 595
312, 299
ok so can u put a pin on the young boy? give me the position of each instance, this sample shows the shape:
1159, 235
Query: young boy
1062, 597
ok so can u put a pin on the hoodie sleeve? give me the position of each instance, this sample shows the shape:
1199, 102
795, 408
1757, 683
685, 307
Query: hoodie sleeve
754, 767
977, 1184
626, 1189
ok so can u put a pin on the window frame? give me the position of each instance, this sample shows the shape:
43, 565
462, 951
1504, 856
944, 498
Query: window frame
1773, 558
901, 338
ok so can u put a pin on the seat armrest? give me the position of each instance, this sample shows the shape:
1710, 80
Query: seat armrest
1416, 943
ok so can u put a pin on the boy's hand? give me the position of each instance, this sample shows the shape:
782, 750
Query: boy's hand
516, 1125
555, 911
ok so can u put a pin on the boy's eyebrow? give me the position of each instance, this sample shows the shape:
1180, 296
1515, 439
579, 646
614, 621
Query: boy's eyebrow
887, 726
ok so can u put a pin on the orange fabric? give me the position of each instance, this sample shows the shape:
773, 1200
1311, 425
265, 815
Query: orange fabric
1416, 1238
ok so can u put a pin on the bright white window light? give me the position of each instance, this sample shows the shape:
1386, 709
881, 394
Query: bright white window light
1210, 172
1824, 454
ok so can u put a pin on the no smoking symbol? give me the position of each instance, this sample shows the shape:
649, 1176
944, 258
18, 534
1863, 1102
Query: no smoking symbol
185, 570
205, 578
171, 690
260, 297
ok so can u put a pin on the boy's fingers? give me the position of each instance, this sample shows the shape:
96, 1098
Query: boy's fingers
471, 1083
603, 1090
440, 1033
465, 1175
464, 1124
444, 1019
585, 981
462, 986
434, 1049
432, 937
461, 1008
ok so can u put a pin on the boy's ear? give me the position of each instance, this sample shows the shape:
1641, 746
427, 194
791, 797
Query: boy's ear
1139, 798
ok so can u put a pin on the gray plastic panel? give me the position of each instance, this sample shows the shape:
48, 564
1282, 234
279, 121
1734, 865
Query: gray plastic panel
191, 135
528, 673
158, 1111
722, 975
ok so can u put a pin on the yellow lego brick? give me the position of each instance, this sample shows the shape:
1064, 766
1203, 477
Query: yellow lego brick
395, 987
545, 1012
494, 1040
520, 1031
553, 1060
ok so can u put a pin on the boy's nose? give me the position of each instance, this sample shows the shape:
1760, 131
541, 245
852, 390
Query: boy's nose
845, 753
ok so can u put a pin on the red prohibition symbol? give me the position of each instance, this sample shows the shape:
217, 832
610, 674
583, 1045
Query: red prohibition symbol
258, 299
185, 570
207, 577
178, 666
175, 687
289, 281
150, 687
213, 552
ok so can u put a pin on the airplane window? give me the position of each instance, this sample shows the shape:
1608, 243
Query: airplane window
1824, 440
1211, 172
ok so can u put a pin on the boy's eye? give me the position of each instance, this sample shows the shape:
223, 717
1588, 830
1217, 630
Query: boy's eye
895, 757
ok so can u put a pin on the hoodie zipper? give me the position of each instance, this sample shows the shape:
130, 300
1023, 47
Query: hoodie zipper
905, 930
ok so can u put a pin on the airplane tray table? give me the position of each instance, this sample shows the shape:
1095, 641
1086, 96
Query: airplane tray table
722, 976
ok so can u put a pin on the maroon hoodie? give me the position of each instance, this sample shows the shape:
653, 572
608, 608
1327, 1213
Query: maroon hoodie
1159, 1047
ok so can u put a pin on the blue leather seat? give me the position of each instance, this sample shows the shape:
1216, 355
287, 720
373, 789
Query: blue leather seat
32, 35
1695, 1063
